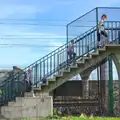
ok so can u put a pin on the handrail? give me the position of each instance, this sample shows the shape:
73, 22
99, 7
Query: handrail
54, 51
78, 38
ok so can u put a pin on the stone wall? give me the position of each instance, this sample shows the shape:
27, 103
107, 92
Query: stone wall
74, 88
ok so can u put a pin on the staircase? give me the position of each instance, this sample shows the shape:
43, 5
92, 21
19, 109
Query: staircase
54, 69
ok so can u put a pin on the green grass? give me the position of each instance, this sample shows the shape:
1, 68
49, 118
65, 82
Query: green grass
74, 118
97, 118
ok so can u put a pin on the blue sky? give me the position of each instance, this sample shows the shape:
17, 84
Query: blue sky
46, 20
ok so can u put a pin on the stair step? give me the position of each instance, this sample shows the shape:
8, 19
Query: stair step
80, 62
19, 98
28, 94
11, 103
51, 80
87, 58
23, 101
95, 54
101, 49
31, 94
37, 91
18, 106
66, 70
73, 66
15, 104
58, 76
44, 85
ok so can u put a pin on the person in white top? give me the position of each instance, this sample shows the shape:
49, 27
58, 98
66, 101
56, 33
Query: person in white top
70, 50
102, 31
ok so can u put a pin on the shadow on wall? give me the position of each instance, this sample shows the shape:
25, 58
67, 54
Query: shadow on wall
74, 88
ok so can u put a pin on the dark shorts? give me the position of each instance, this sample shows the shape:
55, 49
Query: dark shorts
104, 33
69, 52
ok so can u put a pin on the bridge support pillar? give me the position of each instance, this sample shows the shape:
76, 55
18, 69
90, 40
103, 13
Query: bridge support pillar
116, 59
85, 84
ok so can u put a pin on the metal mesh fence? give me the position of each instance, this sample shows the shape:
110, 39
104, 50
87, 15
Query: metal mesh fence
91, 19
81, 25
111, 12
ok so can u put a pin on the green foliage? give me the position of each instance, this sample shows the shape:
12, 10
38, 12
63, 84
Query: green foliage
52, 117
87, 118
56, 115
71, 118
1, 92
55, 112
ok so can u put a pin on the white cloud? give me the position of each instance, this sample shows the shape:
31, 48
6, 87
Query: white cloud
24, 9
24, 55
12, 55
20, 9
14, 9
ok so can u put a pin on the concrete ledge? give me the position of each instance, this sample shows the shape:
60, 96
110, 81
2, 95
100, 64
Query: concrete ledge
29, 107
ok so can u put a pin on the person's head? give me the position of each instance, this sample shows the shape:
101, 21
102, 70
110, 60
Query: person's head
104, 17
72, 41
29, 70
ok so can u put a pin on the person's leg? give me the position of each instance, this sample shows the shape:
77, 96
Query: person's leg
26, 85
105, 33
74, 56
105, 39
98, 38
119, 37
69, 57
102, 40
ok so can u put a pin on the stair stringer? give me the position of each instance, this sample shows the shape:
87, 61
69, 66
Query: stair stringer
79, 67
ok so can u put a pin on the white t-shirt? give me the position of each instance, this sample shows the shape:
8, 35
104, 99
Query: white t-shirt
101, 26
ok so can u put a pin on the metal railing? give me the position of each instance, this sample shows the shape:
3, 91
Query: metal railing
50, 65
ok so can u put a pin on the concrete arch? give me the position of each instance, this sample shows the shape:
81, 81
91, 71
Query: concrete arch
86, 75
85, 82
116, 60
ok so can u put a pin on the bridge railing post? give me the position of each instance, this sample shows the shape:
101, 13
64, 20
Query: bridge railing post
119, 37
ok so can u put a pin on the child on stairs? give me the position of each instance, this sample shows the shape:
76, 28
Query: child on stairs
102, 31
